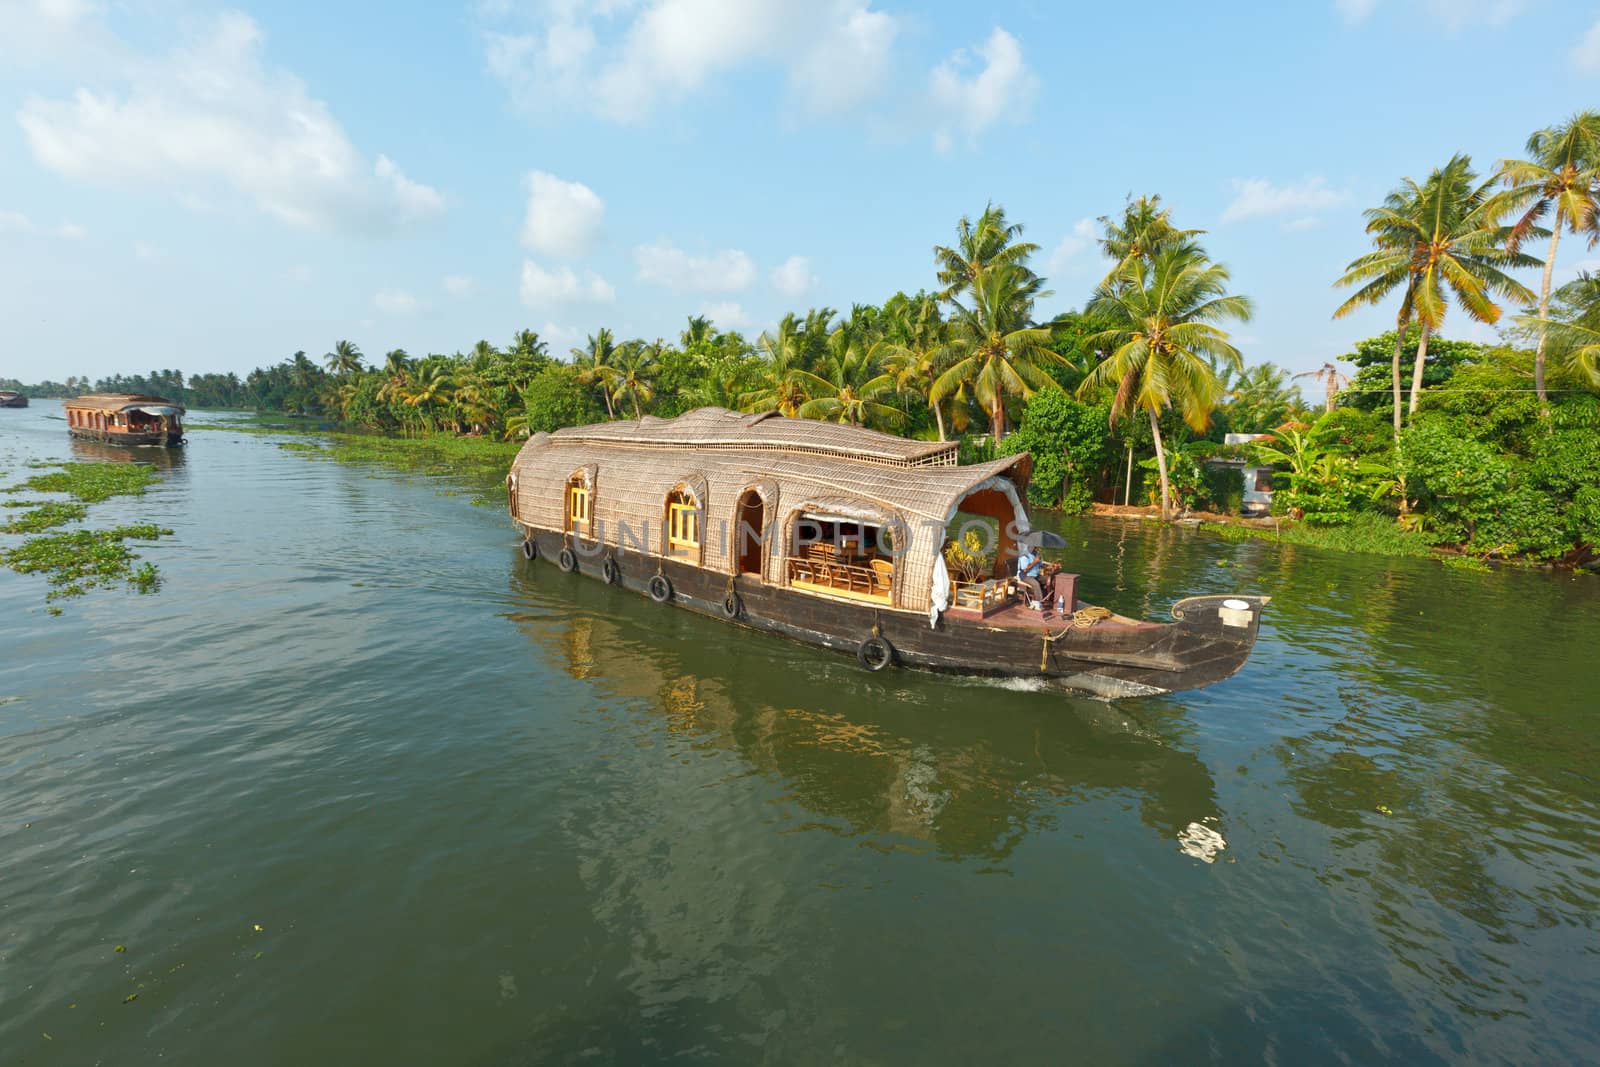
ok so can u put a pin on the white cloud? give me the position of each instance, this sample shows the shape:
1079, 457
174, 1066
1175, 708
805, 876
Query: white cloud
624, 60
214, 115
458, 284
793, 277
1258, 198
1586, 53
1301, 224
563, 286
1068, 254
17, 223
563, 217
847, 62
727, 315
1355, 10
973, 101
560, 338
396, 302
726, 271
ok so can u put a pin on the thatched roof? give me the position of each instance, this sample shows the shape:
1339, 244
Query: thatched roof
796, 466
119, 402
766, 431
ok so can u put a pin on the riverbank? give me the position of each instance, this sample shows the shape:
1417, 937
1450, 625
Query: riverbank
483, 462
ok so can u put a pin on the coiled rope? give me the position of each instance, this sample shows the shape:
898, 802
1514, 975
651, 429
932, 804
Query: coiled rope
1082, 619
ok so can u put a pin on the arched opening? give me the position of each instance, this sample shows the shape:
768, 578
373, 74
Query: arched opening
751, 526
683, 527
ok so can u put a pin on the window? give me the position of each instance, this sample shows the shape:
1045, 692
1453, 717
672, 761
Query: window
683, 526
578, 514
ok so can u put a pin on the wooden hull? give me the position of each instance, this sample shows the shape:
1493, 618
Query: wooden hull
1108, 660
169, 439
13, 401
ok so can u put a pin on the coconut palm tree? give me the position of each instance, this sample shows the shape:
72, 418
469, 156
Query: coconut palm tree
596, 365
344, 359
396, 362
989, 243
635, 373
1164, 340
698, 331
1144, 229
783, 358
1562, 171
430, 389
918, 358
1441, 238
848, 386
1574, 326
994, 346
1331, 377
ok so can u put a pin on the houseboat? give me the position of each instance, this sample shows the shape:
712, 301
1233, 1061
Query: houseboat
125, 418
853, 540
9, 399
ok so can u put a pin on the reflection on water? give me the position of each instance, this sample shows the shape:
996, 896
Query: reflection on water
487, 813
966, 767
156, 456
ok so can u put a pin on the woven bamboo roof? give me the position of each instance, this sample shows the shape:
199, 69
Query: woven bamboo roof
119, 401
796, 466
766, 431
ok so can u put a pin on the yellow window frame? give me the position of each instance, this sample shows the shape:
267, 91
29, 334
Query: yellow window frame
683, 528
578, 505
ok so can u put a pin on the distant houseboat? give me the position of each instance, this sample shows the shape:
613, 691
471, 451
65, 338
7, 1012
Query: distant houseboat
836, 536
125, 418
9, 399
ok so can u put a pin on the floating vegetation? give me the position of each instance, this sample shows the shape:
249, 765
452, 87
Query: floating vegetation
480, 462
79, 560
45, 516
91, 482
76, 561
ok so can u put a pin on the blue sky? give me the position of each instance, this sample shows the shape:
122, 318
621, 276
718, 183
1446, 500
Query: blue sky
210, 187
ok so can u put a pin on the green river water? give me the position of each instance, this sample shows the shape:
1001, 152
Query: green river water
360, 785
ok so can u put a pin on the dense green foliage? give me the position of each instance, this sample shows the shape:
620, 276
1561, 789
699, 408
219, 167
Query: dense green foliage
1490, 448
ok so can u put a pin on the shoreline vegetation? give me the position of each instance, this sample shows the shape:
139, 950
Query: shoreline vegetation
1451, 447
77, 560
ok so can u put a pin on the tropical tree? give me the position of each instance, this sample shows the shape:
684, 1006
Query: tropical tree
430, 389
991, 242
1562, 171
1144, 229
1443, 239
344, 359
994, 346
396, 362
1574, 327
1331, 377
1260, 398
596, 365
635, 372
782, 352
1163, 340
1389, 267
848, 386
918, 356
302, 372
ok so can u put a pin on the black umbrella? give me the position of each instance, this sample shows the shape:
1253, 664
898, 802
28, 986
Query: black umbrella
1042, 539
